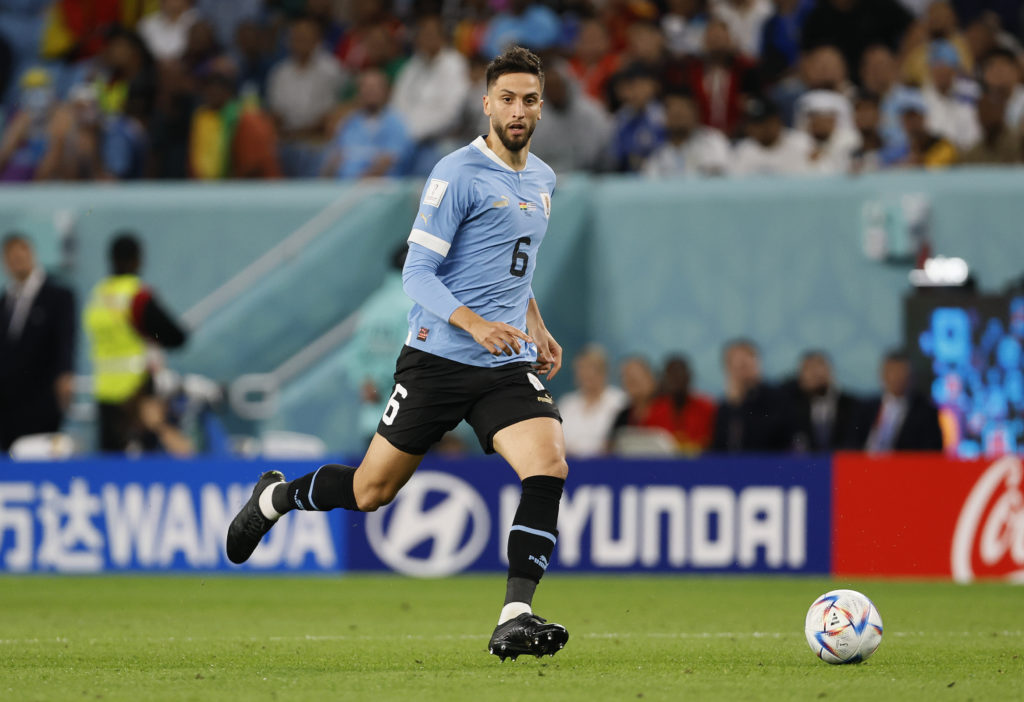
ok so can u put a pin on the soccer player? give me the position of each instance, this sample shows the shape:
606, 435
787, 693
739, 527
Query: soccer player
476, 346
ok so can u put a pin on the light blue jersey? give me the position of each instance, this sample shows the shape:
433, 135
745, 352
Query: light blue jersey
474, 243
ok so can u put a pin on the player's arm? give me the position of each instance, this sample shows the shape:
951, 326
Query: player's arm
549, 352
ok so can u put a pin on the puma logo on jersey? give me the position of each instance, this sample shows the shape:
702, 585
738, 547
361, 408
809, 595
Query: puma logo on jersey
503, 202
425, 217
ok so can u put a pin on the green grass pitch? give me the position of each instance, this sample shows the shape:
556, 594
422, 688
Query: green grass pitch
391, 638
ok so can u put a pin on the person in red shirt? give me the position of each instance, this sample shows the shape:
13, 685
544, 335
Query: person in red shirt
689, 417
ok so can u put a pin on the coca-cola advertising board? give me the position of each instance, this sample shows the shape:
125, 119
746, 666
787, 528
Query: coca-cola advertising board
928, 516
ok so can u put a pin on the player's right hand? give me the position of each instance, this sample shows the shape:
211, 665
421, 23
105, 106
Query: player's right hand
499, 338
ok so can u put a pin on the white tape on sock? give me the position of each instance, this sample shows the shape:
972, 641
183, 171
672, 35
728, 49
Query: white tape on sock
267, 502
513, 610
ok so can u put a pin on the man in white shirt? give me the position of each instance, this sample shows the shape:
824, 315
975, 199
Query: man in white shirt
689, 149
770, 148
745, 19
589, 412
302, 89
950, 108
431, 87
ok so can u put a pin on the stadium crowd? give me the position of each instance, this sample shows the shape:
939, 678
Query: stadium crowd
659, 412
126, 89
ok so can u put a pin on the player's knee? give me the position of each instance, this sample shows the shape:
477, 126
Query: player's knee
556, 468
373, 497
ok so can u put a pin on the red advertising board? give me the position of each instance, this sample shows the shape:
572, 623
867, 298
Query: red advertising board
929, 516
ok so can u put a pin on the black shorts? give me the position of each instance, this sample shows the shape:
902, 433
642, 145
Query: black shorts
431, 395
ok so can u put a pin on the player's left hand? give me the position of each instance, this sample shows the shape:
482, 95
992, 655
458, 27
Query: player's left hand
549, 354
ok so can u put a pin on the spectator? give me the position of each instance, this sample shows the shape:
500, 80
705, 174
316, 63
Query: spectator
770, 148
939, 23
867, 157
252, 57
645, 48
1001, 75
75, 147
689, 417
166, 30
593, 62
303, 88
37, 346
949, 114
577, 129
228, 17
999, 144
589, 412
879, 73
372, 141
751, 415
472, 120
721, 79
431, 89
228, 138
824, 69
365, 17
690, 149
683, 25
534, 26
899, 419
641, 388
833, 141
122, 317
853, 25
780, 39
821, 415
640, 122
26, 134
745, 18
923, 148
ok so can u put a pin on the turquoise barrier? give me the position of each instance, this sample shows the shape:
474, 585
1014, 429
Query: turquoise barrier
650, 267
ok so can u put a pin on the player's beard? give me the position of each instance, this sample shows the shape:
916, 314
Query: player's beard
513, 143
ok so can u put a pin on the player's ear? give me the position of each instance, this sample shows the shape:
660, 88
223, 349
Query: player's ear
487, 106
540, 108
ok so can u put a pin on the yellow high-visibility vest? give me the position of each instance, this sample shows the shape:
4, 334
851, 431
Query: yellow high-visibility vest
118, 352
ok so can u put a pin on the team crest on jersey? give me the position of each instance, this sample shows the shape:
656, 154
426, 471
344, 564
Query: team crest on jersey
435, 192
545, 199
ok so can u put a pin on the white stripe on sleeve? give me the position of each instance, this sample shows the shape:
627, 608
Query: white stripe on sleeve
429, 241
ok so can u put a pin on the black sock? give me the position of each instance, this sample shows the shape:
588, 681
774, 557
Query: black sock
531, 540
325, 488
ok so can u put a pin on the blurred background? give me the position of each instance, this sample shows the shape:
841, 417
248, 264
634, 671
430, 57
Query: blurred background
783, 227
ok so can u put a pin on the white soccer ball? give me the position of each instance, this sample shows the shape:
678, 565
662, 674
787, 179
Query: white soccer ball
843, 626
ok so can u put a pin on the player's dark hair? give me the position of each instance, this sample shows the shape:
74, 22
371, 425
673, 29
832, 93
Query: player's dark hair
815, 353
125, 254
12, 238
516, 59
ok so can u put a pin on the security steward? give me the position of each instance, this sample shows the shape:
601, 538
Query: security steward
122, 318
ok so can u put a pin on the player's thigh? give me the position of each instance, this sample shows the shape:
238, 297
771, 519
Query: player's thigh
533, 447
382, 473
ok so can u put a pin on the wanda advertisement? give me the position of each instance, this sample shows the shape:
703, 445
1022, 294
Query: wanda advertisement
928, 516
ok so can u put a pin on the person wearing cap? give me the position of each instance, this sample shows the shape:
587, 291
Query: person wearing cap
770, 148
923, 148
950, 113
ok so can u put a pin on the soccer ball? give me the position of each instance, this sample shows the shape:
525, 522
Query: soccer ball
843, 626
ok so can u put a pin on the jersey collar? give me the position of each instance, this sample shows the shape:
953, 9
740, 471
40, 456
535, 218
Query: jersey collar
483, 148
